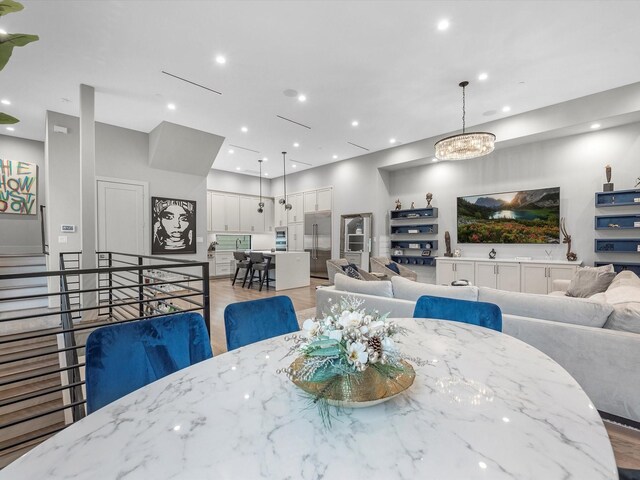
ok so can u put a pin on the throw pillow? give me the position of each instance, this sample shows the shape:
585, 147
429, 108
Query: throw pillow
351, 270
394, 267
590, 280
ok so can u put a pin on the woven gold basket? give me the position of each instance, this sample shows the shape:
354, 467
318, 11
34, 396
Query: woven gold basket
369, 389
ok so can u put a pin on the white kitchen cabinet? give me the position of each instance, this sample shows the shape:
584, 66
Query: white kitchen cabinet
223, 261
296, 214
448, 271
503, 276
280, 214
217, 212
209, 212
317, 200
250, 220
268, 215
232, 211
538, 278
295, 237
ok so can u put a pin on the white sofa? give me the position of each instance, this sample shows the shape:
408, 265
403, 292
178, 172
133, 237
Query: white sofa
583, 335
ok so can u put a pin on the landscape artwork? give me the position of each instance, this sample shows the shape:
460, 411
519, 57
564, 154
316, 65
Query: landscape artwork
18, 188
174, 226
526, 216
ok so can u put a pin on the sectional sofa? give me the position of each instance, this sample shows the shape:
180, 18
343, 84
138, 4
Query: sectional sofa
597, 342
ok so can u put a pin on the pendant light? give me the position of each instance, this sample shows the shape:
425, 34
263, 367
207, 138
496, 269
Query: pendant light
260, 203
283, 200
465, 145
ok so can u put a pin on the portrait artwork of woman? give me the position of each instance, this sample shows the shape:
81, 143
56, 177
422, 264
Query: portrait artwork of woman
174, 225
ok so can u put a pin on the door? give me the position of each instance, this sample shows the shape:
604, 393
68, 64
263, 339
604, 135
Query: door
444, 272
323, 199
508, 277
232, 213
296, 215
559, 272
268, 215
122, 217
218, 217
310, 203
534, 279
280, 215
465, 271
246, 214
486, 275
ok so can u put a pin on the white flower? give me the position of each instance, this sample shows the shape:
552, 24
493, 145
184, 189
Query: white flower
350, 319
336, 335
356, 352
388, 345
311, 328
376, 326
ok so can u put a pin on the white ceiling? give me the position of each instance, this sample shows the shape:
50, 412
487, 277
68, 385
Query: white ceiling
384, 63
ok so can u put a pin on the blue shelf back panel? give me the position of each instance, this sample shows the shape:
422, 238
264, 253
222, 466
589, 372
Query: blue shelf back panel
414, 213
621, 266
618, 198
422, 244
617, 222
406, 260
421, 229
618, 245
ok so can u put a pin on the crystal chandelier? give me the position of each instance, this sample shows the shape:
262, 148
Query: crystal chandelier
465, 145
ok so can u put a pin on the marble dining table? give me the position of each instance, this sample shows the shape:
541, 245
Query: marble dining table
484, 405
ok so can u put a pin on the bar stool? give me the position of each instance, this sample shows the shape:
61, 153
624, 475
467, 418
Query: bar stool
262, 266
242, 262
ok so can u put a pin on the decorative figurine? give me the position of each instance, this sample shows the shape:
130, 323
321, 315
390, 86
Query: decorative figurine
447, 242
492, 254
398, 205
607, 187
457, 253
413, 205
429, 196
572, 257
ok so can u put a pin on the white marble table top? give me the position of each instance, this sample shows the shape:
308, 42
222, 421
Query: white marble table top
486, 406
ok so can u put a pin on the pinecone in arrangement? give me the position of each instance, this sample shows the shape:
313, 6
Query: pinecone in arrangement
375, 345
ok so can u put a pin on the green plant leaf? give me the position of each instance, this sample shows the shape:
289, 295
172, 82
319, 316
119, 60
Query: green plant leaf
7, 42
9, 6
7, 119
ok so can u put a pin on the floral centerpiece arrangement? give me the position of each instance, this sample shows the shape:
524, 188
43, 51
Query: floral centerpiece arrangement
349, 358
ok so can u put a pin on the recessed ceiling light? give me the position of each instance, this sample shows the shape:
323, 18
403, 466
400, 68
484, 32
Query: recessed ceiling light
434, 159
231, 151
11, 129
355, 123
244, 129
482, 465
506, 108
595, 125
335, 157
483, 76
443, 25
296, 144
265, 159
221, 60
238, 168
302, 98
4, 101
171, 106
392, 140
293, 166
266, 174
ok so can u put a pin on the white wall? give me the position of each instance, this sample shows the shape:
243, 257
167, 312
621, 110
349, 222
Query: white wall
575, 164
236, 183
21, 233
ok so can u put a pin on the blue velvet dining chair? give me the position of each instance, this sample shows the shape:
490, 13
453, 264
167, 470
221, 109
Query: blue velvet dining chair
255, 320
124, 357
476, 313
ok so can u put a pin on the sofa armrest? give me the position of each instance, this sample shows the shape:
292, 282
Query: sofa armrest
560, 285
604, 362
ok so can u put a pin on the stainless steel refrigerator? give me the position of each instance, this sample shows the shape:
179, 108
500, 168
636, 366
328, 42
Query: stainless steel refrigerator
317, 241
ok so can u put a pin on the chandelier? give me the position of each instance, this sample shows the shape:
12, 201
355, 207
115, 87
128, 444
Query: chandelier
465, 145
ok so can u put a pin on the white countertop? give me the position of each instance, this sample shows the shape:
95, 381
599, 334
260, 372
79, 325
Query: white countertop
512, 260
486, 406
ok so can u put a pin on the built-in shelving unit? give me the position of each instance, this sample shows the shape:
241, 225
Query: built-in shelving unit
414, 232
623, 222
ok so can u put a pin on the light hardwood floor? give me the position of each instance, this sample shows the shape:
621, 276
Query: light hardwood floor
625, 441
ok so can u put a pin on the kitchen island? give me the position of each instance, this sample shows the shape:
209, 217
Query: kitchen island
292, 269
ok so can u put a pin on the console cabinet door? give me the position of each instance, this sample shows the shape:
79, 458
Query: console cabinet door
486, 275
444, 272
508, 277
559, 272
534, 278
465, 271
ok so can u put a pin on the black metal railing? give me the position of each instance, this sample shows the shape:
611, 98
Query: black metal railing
43, 236
42, 349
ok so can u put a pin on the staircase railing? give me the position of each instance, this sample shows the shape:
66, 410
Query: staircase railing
40, 345
43, 236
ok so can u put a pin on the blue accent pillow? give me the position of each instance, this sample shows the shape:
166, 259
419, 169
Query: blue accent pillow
394, 267
351, 270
